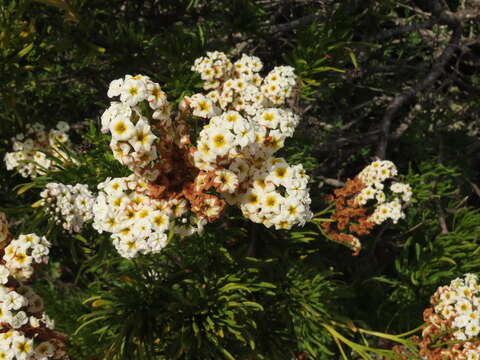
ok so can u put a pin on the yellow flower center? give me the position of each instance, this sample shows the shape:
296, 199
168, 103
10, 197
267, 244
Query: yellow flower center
130, 214
23, 347
219, 140
143, 214
203, 106
157, 93
252, 199
268, 117
271, 201
120, 128
20, 258
281, 172
232, 117
158, 220
126, 231
133, 91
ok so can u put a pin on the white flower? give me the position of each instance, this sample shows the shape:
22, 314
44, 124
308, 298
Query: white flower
6, 353
122, 129
252, 200
202, 106
220, 141
226, 181
472, 329
460, 335
157, 242
22, 347
233, 152
463, 307
4, 274
116, 109
115, 88
156, 97
160, 221
268, 118
133, 91
142, 137
49, 323
34, 322
63, 126
5, 314
280, 174
19, 320
272, 201
473, 355
14, 301
70, 205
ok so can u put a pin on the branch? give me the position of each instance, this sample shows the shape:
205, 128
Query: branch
475, 187
401, 30
361, 139
441, 217
407, 95
332, 182
306, 20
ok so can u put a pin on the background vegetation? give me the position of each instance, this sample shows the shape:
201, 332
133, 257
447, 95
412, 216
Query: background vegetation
398, 80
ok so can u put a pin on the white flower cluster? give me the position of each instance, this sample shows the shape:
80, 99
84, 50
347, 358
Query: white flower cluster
277, 195
15, 306
230, 135
22, 253
19, 310
373, 178
26, 332
129, 124
179, 187
70, 205
459, 303
28, 156
247, 126
278, 85
138, 222
239, 86
212, 67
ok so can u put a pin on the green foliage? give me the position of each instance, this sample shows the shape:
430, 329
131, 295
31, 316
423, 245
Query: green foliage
181, 308
310, 300
242, 291
430, 255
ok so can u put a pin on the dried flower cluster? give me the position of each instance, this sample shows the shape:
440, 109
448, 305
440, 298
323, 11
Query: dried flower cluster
454, 315
28, 156
367, 201
26, 332
70, 205
180, 187
452, 322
